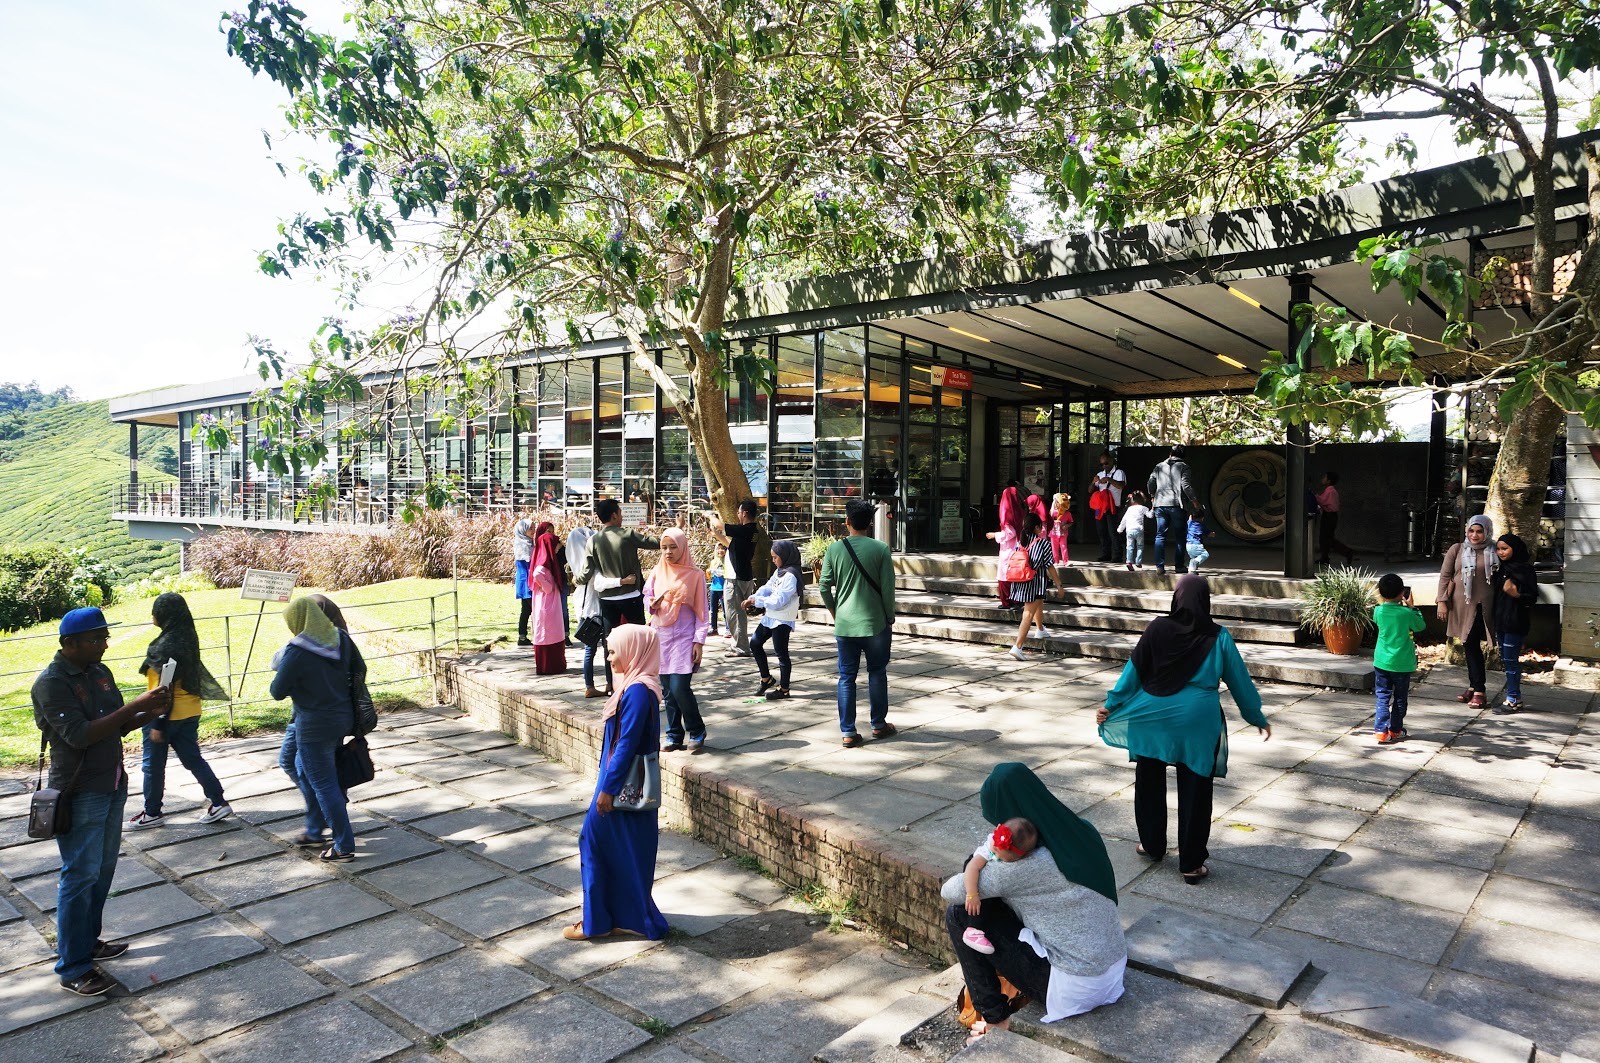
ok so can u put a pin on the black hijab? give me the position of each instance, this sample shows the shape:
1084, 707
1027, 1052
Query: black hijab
1519, 550
180, 642
1174, 646
789, 554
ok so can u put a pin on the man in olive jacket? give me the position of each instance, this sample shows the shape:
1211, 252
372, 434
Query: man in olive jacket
613, 564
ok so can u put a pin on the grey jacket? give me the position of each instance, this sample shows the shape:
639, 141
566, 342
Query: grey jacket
1170, 484
1079, 928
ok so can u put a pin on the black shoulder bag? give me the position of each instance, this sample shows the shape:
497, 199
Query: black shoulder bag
882, 607
352, 762
49, 809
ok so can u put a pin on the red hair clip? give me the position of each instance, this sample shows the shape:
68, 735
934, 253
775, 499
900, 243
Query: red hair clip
1002, 839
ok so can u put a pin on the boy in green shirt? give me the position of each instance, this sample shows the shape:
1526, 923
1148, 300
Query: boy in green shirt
1395, 657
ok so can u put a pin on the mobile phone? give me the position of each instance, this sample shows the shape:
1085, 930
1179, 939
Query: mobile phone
168, 670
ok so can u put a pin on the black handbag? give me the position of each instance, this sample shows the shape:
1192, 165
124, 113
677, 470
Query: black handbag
361, 698
353, 763
592, 631
49, 809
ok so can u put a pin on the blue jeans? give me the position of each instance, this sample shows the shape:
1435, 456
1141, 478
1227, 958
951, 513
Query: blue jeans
1393, 691
1511, 660
876, 648
1135, 554
1197, 555
683, 709
88, 863
318, 780
183, 738
588, 667
1171, 526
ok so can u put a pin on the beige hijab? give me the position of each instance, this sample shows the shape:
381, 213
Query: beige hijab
636, 656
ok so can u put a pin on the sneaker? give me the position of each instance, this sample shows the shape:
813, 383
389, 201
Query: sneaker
1387, 738
93, 984
524, 642
974, 939
1018, 653
697, 745
852, 741
140, 821
105, 950
1130, 566
673, 747
1041, 633
1511, 706
216, 812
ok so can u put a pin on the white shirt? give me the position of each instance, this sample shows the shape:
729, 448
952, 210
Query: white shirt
1133, 518
1114, 479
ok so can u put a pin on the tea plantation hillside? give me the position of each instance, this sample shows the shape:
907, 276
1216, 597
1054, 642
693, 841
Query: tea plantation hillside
56, 481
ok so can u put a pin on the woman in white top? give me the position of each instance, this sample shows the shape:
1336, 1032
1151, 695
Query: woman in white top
780, 597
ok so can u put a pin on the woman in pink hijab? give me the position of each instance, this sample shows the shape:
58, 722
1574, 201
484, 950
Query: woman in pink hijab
549, 634
676, 601
1009, 537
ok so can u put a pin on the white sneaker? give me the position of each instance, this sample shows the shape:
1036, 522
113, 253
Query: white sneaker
1017, 652
1040, 633
216, 812
144, 820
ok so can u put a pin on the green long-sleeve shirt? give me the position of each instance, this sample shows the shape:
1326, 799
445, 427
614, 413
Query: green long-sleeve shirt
858, 610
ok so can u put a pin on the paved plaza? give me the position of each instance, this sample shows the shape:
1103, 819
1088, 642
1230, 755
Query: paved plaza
1455, 870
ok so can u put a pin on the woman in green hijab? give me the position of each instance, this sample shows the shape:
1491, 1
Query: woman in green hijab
314, 671
1051, 916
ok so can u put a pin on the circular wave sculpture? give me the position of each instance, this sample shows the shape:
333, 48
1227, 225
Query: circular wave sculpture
1248, 495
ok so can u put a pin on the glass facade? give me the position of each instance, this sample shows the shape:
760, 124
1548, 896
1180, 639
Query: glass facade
849, 413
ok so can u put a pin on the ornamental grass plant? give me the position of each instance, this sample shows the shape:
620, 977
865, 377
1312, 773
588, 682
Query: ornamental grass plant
1339, 596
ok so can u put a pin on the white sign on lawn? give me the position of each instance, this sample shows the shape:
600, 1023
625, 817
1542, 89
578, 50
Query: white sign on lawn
262, 586
635, 514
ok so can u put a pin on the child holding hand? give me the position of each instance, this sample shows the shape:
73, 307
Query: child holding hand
1011, 841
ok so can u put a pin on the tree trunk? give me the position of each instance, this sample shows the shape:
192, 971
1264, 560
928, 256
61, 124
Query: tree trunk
713, 444
1522, 470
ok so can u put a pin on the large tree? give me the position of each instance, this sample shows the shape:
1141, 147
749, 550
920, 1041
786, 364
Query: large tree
1223, 95
558, 170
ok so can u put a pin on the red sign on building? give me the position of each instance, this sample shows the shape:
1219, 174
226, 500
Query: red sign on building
944, 377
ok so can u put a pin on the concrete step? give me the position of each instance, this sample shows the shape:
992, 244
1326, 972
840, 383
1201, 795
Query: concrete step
1303, 665
1073, 617
1003, 1046
1354, 1005
1169, 943
1223, 606
1224, 580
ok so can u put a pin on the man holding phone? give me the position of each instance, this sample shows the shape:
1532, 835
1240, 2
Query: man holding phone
82, 717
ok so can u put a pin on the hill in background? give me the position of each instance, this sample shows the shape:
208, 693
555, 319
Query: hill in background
58, 468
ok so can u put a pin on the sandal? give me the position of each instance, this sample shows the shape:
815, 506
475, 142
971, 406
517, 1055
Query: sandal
1140, 849
333, 855
1477, 700
1193, 878
766, 681
778, 694
1465, 696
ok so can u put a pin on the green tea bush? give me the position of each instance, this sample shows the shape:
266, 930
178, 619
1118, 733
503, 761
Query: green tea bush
42, 582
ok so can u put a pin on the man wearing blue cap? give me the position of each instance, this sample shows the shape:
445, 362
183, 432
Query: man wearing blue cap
80, 711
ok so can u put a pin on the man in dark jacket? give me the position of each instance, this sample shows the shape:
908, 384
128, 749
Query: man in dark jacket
82, 718
1171, 493
613, 557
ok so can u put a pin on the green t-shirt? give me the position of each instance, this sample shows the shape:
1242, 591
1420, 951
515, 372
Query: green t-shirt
858, 610
1397, 649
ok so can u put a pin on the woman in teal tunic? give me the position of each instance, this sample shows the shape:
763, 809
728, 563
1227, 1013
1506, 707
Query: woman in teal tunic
617, 848
1166, 709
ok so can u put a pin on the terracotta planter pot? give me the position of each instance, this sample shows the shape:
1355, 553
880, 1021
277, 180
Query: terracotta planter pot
1343, 639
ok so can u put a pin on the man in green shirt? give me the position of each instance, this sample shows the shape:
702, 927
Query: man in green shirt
1394, 658
612, 564
857, 586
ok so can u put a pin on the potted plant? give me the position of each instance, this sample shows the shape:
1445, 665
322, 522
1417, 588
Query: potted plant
1338, 604
811, 552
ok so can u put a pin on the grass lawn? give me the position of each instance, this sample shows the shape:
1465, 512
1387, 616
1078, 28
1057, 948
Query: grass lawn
397, 612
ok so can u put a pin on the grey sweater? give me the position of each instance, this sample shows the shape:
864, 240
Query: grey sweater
1079, 928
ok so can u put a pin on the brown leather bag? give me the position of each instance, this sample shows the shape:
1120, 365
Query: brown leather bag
1016, 1000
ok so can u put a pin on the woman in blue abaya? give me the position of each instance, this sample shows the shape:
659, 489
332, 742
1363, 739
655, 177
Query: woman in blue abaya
617, 849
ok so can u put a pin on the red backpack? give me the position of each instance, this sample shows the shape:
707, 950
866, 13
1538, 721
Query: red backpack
1018, 567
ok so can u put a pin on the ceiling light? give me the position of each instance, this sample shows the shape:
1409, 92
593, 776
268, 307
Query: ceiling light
1124, 339
1026, 384
1232, 361
969, 335
1237, 294
915, 343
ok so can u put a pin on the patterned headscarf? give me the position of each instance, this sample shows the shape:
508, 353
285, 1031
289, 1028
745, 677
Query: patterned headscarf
1471, 555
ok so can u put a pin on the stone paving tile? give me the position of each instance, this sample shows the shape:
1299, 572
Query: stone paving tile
462, 989
175, 831
1553, 964
676, 985
565, 875
416, 804
377, 948
498, 785
131, 875
270, 808
334, 1031
1298, 1043
1231, 889
449, 769
22, 945
8, 911
1431, 841
500, 907
431, 877
390, 845
562, 1029
557, 802
1408, 930
470, 824
32, 995
1287, 813
243, 884
160, 957
838, 984
1347, 1003
782, 1030
679, 852
224, 1000
525, 850
386, 784
1346, 793
1483, 816
1158, 1021
1269, 849
544, 947
1547, 863
1542, 907
1558, 1025
307, 913
694, 908
476, 741
34, 858
101, 1036
1572, 832
205, 854
1373, 968
127, 914
1405, 878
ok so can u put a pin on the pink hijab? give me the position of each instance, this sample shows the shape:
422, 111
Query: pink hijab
1011, 510
636, 656
1042, 511
677, 585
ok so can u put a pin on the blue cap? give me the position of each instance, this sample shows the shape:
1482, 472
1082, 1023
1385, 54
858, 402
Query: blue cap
80, 620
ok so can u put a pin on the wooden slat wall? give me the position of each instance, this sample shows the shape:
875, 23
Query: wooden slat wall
1582, 576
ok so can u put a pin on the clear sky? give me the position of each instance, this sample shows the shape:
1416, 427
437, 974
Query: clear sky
140, 191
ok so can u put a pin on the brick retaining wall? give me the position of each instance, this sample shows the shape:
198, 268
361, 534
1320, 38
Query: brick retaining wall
897, 896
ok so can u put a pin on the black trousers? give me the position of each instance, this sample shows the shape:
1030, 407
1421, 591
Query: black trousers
1477, 673
615, 612
1110, 548
780, 642
523, 616
1328, 541
1194, 812
1020, 965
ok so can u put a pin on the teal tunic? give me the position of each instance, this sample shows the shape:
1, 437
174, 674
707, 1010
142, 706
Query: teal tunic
1187, 727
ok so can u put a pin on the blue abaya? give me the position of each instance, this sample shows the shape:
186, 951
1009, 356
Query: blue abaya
617, 850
